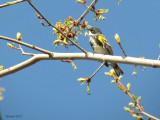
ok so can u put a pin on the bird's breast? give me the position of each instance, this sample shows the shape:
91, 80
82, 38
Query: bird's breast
97, 48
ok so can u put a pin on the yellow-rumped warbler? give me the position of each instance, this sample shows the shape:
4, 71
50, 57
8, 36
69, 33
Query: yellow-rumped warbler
100, 44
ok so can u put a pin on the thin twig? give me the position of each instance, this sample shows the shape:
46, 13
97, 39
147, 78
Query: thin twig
11, 3
150, 116
88, 7
97, 69
50, 24
23, 53
27, 45
127, 92
87, 11
122, 49
136, 103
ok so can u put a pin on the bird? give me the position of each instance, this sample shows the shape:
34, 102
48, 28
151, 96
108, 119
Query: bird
100, 45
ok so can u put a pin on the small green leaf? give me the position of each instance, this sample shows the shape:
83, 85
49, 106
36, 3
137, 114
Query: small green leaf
88, 89
37, 15
11, 46
140, 118
113, 81
128, 86
133, 97
74, 66
108, 73
134, 73
119, 87
127, 109
120, 77
88, 26
138, 98
135, 116
112, 72
82, 79
10, 3
56, 42
79, 1
1, 67
131, 104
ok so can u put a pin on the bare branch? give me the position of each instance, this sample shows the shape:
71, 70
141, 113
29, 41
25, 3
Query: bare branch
81, 56
150, 116
97, 69
11, 3
24, 53
27, 45
87, 11
122, 49
20, 66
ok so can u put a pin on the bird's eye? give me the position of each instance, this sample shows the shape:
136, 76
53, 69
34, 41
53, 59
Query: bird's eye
92, 31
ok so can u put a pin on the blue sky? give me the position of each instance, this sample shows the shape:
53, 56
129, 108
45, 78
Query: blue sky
50, 90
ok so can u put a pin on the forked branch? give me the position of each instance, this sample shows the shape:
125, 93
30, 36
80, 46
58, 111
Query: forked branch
81, 56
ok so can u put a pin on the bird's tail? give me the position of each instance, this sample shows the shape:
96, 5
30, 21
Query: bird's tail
117, 69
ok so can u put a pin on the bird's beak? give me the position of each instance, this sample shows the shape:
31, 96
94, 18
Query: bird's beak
89, 27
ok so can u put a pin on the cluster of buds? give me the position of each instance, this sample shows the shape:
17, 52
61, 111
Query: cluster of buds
72, 35
132, 112
18, 37
70, 28
84, 25
83, 80
99, 14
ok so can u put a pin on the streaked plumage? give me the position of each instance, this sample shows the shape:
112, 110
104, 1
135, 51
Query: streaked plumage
100, 44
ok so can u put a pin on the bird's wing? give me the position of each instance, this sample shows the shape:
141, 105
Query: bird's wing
105, 43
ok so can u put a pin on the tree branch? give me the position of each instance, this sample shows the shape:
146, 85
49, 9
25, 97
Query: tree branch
87, 11
24, 53
27, 45
150, 116
81, 56
11, 3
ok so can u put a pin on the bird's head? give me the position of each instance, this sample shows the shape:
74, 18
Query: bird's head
94, 30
